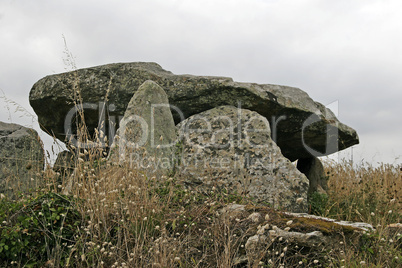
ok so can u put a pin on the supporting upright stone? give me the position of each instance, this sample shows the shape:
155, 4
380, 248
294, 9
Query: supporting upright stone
314, 171
147, 135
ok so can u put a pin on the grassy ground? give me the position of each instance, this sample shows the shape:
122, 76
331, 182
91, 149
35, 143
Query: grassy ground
117, 217
372, 195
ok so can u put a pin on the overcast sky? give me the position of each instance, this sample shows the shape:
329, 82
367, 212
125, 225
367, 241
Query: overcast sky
344, 51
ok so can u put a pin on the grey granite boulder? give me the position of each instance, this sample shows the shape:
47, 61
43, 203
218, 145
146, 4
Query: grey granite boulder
147, 134
300, 126
230, 148
21, 158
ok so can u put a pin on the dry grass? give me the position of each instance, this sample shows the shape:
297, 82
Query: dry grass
131, 220
365, 193
138, 221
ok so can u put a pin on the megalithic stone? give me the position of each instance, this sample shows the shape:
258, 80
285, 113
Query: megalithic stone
300, 126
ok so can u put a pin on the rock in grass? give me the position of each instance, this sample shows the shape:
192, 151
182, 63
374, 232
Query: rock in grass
21, 158
301, 127
231, 149
147, 134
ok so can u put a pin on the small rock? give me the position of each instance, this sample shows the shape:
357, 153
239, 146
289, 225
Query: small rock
358, 225
232, 210
253, 246
255, 217
312, 239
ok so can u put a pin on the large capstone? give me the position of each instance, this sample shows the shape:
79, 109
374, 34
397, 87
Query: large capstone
300, 126
231, 149
21, 158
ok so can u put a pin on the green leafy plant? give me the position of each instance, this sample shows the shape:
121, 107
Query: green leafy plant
317, 203
38, 230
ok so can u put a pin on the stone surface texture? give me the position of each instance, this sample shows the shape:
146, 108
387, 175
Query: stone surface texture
300, 126
21, 158
147, 133
358, 225
230, 148
314, 171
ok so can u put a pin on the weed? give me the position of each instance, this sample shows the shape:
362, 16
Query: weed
38, 230
317, 203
